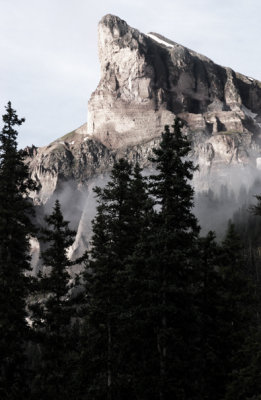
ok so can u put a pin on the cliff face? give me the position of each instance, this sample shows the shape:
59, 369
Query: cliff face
76, 159
147, 80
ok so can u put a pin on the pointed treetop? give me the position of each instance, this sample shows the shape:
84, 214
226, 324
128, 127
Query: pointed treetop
8, 134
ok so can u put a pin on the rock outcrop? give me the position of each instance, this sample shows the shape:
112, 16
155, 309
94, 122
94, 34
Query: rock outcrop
76, 158
147, 80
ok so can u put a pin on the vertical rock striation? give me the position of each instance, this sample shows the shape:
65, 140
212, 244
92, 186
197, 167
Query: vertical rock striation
147, 79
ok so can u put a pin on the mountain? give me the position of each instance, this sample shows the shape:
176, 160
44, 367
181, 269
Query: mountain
147, 80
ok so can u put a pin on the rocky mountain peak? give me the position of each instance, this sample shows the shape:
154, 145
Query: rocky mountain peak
147, 80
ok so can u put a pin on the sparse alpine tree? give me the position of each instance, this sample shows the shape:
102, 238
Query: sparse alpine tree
15, 228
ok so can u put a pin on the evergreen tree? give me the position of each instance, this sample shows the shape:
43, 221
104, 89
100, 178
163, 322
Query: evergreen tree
140, 291
226, 308
137, 341
15, 228
53, 312
245, 378
172, 264
237, 308
208, 300
116, 229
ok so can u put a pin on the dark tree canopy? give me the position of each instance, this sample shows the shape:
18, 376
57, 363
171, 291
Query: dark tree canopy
15, 228
161, 312
121, 214
172, 262
53, 312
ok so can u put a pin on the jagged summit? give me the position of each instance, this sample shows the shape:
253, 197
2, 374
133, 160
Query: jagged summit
174, 45
113, 21
147, 80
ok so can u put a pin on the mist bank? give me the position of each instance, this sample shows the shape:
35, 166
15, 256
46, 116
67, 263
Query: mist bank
223, 195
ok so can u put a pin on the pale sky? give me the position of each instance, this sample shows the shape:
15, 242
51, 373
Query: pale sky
48, 50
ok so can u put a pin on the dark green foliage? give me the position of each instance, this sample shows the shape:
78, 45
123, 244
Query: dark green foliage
138, 340
208, 302
165, 314
52, 314
175, 231
237, 286
248, 226
121, 214
226, 301
256, 209
245, 379
237, 308
171, 186
15, 228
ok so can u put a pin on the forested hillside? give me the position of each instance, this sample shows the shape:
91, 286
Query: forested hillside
159, 312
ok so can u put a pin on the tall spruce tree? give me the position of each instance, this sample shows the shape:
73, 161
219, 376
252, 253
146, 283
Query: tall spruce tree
15, 228
209, 304
116, 229
237, 293
140, 291
241, 321
172, 263
226, 310
52, 313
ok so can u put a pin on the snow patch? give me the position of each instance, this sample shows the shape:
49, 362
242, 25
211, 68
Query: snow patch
72, 142
160, 40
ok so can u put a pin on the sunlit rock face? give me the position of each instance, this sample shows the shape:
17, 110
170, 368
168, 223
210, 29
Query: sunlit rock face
147, 80
75, 157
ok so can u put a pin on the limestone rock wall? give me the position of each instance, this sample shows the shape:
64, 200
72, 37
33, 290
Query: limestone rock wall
147, 79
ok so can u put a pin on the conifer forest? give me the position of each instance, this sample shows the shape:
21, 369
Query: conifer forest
158, 312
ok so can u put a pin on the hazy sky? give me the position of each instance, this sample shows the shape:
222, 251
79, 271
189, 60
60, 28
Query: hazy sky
48, 50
